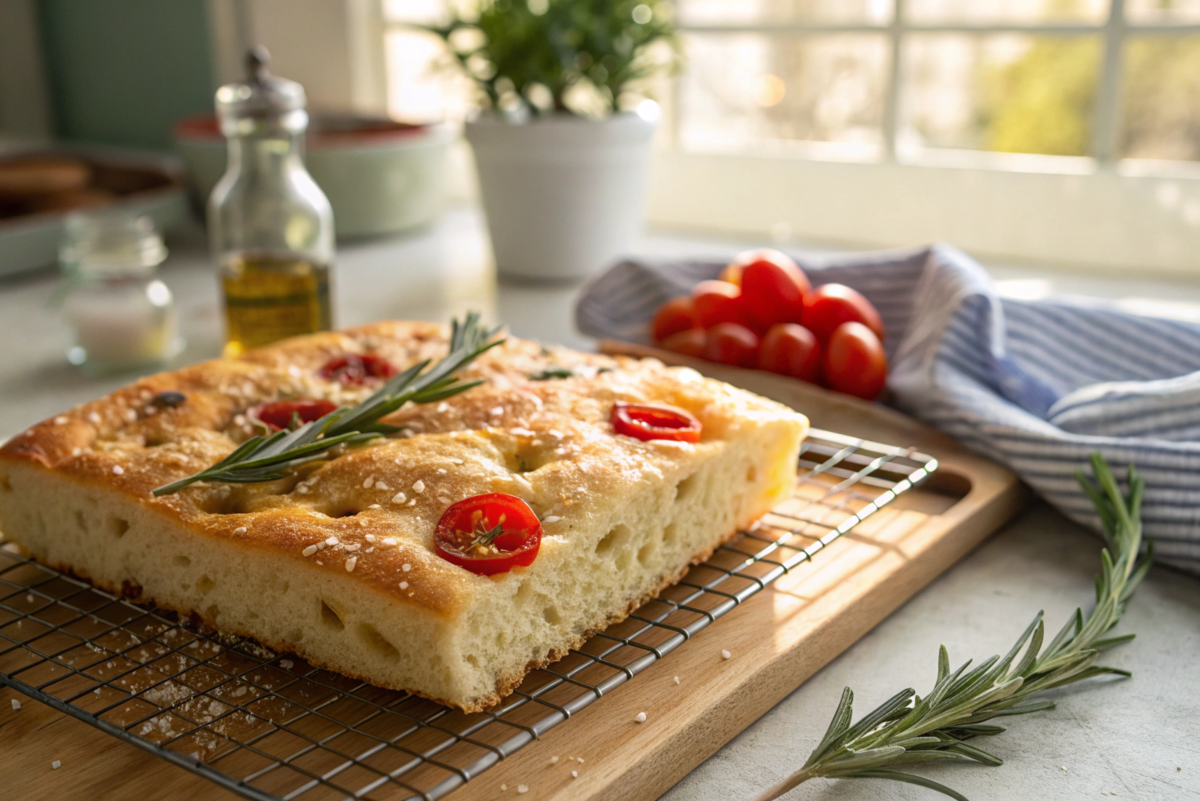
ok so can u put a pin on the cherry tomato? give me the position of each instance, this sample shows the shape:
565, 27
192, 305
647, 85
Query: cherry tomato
647, 422
830, 305
731, 274
689, 343
672, 317
730, 343
278, 415
717, 302
791, 349
855, 362
773, 289
354, 370
467, 535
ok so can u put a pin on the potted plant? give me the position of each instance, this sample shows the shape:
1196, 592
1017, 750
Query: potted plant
563, 143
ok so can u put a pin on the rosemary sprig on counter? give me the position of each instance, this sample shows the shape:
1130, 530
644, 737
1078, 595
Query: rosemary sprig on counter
908, 729
273, 456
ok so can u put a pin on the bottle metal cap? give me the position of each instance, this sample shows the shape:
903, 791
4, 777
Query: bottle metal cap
263, 98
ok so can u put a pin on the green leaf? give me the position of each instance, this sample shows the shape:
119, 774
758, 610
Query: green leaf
907, 778
837, 726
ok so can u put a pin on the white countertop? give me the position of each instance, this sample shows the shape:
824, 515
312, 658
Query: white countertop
1137, 738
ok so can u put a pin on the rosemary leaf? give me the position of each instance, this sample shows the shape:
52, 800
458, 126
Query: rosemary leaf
908, 729
273, 456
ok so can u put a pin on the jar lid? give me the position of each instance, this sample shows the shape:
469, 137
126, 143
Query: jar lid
262, 98
110, 245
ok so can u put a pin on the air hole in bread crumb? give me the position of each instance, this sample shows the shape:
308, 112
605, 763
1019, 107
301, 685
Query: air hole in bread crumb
552, 615
204, 584
525, 593
376, 641
330, 618
80, 520
118, 527
614, 540
646, 552
5, 483
670, 534
685, 489
183, 561
751, 474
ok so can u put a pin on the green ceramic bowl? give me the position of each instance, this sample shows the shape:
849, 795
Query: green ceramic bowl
380, 176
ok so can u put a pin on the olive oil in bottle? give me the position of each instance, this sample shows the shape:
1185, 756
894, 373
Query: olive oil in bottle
272, 296
270, 225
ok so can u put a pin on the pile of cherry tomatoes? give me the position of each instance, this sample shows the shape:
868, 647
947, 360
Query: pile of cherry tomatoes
763, 313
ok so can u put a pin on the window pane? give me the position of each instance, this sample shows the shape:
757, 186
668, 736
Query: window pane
421, 84
426, 11
1162, 11
1160, 112
742, 90
1005, 93
1012, 11
698, 12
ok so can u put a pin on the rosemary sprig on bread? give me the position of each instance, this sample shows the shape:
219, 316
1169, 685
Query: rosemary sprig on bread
273, 456
908, 729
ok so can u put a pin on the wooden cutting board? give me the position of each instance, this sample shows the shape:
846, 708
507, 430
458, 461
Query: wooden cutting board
777, 639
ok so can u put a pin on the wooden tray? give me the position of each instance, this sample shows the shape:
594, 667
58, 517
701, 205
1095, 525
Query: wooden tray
777, 639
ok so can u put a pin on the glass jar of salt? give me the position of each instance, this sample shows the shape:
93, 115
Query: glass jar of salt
123, 317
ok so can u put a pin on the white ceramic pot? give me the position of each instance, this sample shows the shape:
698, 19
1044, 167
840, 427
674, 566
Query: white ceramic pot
563, 194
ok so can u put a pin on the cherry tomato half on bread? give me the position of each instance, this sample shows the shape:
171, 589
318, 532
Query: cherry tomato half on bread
647, 422
354, 370
830, 305
488, 534
689, 343
790, 349
773, 289
673, 317
717, 302
278, 415
730, 343
855, 362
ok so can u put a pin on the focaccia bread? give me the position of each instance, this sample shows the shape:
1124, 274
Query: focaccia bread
337, 563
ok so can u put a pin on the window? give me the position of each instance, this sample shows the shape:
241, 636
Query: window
912, 79
1051, 130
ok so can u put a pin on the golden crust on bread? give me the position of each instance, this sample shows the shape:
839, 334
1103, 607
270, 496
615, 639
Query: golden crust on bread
371, 510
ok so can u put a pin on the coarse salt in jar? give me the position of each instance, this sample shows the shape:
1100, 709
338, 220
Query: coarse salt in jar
123, 317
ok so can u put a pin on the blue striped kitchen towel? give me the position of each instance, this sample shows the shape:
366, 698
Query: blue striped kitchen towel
1036, 385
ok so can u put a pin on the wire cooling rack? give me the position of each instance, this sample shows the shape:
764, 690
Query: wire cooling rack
270, 726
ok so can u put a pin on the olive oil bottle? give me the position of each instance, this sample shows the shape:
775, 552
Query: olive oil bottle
272, 296
270, 225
